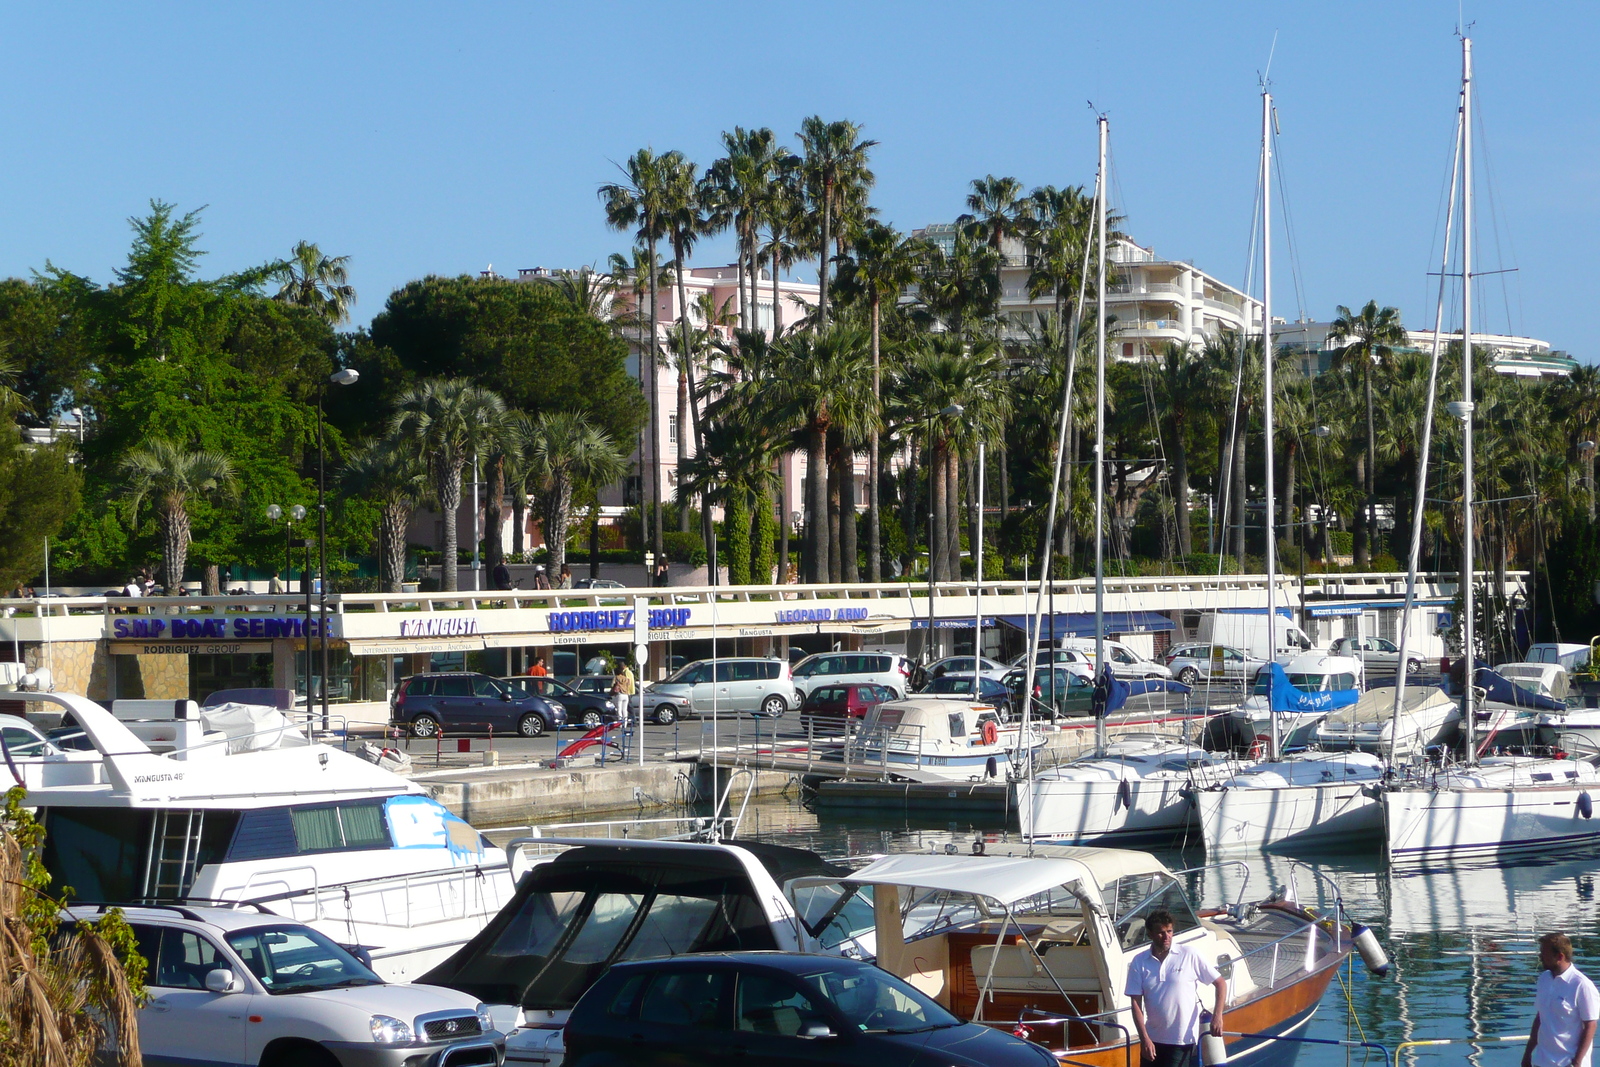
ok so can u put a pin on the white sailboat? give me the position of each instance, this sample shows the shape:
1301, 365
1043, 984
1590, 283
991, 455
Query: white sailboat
1500, 804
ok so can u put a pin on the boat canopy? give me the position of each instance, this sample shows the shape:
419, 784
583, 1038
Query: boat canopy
1008, 879
1377, 705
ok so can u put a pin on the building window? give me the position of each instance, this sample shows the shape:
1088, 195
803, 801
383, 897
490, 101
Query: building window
672, 429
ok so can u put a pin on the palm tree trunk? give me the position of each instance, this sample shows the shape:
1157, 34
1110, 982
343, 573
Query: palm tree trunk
594, 540
816, 543
1372, 465
835, 537
175, 538
519, 521
849, 553
657, 543
494, 549
1241, 491
975, 517
558, 518
1291, 532
683, 446
783, 519
1180, 492
392, 524
777, 308
874, 550
1359, 527
938, 556
952, 522
822, 256
447, 488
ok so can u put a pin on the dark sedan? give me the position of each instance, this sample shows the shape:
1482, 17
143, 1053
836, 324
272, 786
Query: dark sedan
775, 1008
990, 691
461, 702
590, 709
1071, 694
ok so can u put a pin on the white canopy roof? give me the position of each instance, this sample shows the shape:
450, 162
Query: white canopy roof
1007, 879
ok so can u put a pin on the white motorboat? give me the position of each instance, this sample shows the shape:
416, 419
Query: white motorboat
244, 807
1499, 805
930, 739
1301, 694
1308, 798
1139, 787
1427, 717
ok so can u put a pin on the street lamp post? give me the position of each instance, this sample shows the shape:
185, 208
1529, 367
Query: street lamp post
1322, 433
296, 513
347, 376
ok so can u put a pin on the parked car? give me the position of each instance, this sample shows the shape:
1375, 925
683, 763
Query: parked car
23, 739
232, 985
468, 702
590, 709
963, 665
1377, 655
726, 686
831, 668
775, 1008
1068, 692
1073, 659
1125, 662
990, 690
1190, 663
850, 701
597, 583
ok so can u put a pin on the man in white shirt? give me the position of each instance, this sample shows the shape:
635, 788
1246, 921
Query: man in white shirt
1163, 982
1567, 1007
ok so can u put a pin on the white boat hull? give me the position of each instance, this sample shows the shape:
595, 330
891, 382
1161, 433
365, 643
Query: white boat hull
1424, 825
1104, 811
1237, 819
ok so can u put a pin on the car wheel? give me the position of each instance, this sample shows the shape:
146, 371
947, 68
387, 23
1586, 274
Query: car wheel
1151, 676
424, 726
532, 725
591, 719
774, 706
1188, 676
664, 714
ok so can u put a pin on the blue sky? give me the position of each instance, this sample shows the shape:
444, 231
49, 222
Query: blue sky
440, 138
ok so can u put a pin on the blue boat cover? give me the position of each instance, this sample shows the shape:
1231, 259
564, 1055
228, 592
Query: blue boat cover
1110, 693
1285, 697
1503, 690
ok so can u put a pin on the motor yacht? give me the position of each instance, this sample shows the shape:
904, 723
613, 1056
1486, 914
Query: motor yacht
241, 805
931, 739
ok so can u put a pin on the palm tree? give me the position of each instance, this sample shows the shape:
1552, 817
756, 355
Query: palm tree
312, 280
641, 203
1059, 222
958, 289
741, 181
444, 422
590, 293
834, 167
1372, 336
170, 477
395, 479
1578, 402
882, 264
819, 380
1177, 387
782, 213
565, 451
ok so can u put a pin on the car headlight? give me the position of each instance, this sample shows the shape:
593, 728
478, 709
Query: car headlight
485, 1018
387, 1030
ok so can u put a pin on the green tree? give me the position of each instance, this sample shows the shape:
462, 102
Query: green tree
318, 283
565, 452
1370, 337
444, 422
394, 478
170, 476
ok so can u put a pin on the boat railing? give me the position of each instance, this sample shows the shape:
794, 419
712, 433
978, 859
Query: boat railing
1029, 1018
1324, 879
1237, 865
550, 838
1268, 964
343, 902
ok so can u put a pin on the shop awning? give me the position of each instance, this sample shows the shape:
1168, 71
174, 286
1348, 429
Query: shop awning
1081, 624
393, 646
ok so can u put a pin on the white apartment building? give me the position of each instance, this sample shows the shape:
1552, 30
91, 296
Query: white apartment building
1149, 300
1510, 354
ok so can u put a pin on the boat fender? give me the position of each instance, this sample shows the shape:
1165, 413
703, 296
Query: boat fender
991, 734
1213, 1049
977, 846
991, 767
1585, 805
1372, 953
1124, 795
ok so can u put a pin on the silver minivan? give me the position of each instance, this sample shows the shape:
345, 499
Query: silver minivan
838, 668
755, 686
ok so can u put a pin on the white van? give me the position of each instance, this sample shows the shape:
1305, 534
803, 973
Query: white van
1571, 656
1248, 631
1125, 662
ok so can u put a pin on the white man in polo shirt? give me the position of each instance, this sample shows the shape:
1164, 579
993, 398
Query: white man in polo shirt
1567, 1007
1163, 982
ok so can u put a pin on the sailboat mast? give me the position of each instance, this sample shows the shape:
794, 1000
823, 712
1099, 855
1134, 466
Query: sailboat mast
1100, 444
1468, 646
1274, 742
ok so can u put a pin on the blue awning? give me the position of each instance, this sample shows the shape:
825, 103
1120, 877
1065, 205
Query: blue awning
960, 622
1081, 624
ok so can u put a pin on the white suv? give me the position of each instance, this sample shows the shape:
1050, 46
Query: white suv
240, 986
838, 668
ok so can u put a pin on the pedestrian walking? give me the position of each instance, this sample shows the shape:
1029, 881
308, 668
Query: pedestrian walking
566, 578
622, 688
538, 669
275, 587
501, 575
1566, 1007
1163, 983
662, 575
540, 579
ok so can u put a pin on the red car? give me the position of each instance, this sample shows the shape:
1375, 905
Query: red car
845, 701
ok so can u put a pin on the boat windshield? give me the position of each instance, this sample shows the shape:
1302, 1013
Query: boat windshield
1132, 899
839, 917
297, 959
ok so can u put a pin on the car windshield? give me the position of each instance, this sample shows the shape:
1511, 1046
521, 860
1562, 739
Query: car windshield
688, 675
870, 999
297, 959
